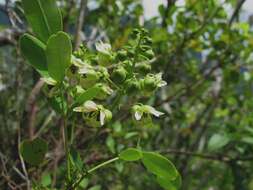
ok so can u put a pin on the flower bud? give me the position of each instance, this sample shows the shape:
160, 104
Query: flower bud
145, 48
104, 92
136, 31
128, 65
104, 59
149, 84
122, 55
119, 75
108, 115
149, 54
143, 68
131, 53
91, 77
147, 40
132, 86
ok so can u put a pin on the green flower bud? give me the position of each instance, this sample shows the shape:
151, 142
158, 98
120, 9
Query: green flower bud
103, 72
89, 79
131, 53
105, 59
145, 48
147, 40
144, 31
104, 92
122, 55
132, 86
143, 68
149, 84
92, 76
119, 75
149, 54
108, 115
128, 65
136, 31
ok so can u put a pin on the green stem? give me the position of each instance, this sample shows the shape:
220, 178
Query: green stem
94, 169
102, 164
66, 136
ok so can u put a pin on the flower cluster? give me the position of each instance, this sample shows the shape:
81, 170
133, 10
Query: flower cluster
126, 71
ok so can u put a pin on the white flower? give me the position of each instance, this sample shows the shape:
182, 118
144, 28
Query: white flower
153, 111
107, 90
76, 61
160, 81
102, 117
85, 70
138, 115
90, 106
104, 48
139, 110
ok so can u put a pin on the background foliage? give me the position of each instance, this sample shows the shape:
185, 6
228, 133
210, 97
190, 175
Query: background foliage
205, 56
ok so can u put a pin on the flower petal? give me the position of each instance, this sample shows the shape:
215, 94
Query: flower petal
162, 83
90, 106
49, 81
154, 112
85, 69
138, 115
76, 61
102, 117
103, 47
79, 109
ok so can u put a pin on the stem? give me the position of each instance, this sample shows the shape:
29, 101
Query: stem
94, 169
66, 145
66, 136
102, 164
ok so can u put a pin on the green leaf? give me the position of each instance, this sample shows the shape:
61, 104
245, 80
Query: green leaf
34, 51
89, 94
170, 184
217, 141
166, 184
84, 183
58, 52
46, 180
58, 104
110, 143
33, 151
43, 16
131, 154
76, 160
159, 165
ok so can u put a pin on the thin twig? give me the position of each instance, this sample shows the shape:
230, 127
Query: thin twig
80, 22
236, 11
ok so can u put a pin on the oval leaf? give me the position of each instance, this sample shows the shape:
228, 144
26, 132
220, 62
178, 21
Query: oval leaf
159, 165
43, 16
217, 141
131, 154
33, 151
89, 94
170, 184
34, 51
58, 54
